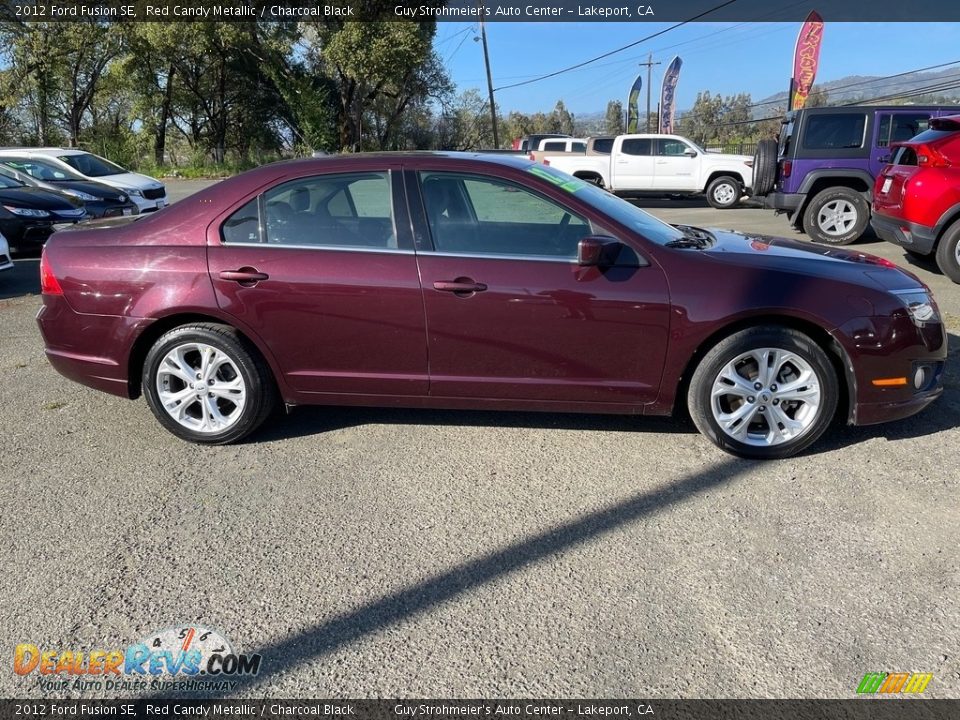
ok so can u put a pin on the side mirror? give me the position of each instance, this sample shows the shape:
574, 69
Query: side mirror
690, 152
597, 251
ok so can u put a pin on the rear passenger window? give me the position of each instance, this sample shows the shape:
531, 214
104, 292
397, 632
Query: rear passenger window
834, 131
554, 146
905, 156
636, 146
603, 146
244, 225
351, 210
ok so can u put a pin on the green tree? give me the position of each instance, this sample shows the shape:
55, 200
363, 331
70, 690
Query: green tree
614, 118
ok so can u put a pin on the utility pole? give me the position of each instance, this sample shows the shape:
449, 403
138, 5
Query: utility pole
486, 61
649, 63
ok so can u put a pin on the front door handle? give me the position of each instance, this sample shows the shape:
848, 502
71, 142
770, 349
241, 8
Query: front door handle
246, 276
460, 286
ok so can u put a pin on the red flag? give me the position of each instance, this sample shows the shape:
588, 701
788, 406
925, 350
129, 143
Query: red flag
806, 58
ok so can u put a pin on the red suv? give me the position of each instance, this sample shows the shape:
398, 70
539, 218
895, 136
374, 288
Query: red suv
916, 199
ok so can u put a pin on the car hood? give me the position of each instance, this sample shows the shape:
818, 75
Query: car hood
135, 181
38, 198
90, 187
809, 258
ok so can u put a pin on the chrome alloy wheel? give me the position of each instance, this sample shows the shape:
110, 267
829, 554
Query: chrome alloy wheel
724, 193
201, 387
766, 397
837, 217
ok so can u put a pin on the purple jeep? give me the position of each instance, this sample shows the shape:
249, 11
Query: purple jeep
821, 171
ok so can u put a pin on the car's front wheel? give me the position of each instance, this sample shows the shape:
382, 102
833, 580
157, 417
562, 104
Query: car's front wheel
205, 384
836, 216
724, 192
764, 393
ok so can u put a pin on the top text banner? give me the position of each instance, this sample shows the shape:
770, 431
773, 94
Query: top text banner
474, 10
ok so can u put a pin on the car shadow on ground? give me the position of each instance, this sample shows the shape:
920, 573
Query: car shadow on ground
685, 202
22, 279
314, 420
333, 634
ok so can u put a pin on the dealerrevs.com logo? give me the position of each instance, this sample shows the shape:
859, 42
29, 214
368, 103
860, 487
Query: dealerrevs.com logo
178, 658
893, 683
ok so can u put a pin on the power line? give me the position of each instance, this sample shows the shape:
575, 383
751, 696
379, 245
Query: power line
916, 92
620, 49
850, 85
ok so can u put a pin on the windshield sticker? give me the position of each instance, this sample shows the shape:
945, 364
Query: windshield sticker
571, 185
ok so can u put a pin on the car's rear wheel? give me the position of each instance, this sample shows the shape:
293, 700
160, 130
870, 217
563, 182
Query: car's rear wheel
764, 393
205, 384
948, 252
836, 216
724, 192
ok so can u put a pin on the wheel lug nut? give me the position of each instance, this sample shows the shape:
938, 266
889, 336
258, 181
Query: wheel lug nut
757, 386
776, 402
773, 388
751, 399
210, 381
763, 408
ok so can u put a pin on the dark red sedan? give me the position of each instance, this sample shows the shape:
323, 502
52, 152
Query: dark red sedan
472, 281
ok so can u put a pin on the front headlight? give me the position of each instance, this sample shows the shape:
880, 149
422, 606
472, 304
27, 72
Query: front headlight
26, 212
135, 193
81, 195
920, 304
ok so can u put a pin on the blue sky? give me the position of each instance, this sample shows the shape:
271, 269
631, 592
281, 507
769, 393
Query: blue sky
724, 58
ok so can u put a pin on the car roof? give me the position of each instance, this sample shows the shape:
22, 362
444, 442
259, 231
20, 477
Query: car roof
512, 159
44, 151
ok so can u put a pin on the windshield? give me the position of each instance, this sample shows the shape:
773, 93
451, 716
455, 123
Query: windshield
618, 209
92, 165
41, 169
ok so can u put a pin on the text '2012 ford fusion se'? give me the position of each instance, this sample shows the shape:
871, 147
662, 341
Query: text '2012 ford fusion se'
471, 281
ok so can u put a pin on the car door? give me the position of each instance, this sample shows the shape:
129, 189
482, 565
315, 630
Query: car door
633, 165
322, 269
510, 315
675, 167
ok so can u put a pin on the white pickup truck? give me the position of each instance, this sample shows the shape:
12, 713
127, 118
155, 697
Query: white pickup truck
662, 165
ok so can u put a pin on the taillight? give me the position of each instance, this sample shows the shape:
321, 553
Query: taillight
929, 156
786, 167
49, 285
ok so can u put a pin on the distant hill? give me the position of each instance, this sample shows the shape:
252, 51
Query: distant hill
854, 88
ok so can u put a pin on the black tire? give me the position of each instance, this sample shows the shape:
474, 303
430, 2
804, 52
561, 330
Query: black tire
826, 200
700, 397
245, 366
730, 191
948, 252
764, 167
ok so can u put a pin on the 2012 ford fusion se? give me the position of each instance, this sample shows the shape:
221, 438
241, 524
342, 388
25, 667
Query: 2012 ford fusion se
479, 281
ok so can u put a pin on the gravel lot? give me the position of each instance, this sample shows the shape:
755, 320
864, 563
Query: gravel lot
466, 554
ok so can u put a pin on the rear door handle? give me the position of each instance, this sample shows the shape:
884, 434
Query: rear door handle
460, 286
244, 276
